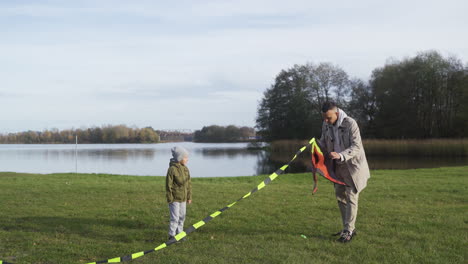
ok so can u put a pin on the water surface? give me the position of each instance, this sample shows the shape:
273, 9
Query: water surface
206, 159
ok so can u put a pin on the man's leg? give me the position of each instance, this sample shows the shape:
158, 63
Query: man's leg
350, 214
352, 197
340, 192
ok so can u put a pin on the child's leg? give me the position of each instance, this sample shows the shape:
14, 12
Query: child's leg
181, 220
174, 209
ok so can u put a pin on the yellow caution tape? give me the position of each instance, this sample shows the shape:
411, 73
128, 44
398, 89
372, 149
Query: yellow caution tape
199, 224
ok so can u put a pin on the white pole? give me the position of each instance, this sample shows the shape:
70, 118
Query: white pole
76, 152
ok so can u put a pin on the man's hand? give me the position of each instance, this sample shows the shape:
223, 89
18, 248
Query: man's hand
334, 155
189, 201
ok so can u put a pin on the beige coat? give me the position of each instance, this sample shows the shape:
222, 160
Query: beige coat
353, 151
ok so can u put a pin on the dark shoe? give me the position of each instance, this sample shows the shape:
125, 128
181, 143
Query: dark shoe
341, 232
338, 234
171, 238
346, 236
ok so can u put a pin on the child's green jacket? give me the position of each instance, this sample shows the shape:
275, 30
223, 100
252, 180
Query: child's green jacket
178, 183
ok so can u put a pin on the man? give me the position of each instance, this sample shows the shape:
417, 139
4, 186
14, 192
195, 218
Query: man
341, 140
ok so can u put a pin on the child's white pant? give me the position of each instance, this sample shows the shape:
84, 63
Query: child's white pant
177, 213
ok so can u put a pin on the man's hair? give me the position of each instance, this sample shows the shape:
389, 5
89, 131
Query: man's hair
329, 105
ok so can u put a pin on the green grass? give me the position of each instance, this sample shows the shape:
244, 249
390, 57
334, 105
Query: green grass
407, 216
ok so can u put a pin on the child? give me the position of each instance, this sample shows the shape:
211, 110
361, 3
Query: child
178, 190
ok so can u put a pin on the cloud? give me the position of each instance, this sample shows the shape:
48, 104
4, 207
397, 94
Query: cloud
188, 64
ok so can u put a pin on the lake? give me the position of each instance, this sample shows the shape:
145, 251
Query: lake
206, 159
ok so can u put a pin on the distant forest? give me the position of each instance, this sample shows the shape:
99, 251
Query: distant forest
123, 134
105, 134
425, 96
224, 134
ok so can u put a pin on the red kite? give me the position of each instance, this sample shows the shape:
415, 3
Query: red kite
323, 166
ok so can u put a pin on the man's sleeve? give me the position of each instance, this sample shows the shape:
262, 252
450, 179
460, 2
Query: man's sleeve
356, 142
341, 157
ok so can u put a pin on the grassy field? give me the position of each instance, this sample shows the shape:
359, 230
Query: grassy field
407, 216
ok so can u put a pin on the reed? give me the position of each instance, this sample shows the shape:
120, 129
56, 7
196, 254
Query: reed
417, 147
286, 146
380, 147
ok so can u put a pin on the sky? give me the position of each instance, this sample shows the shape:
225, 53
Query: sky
188, 64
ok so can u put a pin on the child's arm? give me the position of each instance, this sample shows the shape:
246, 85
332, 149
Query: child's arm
169, 181
189, 189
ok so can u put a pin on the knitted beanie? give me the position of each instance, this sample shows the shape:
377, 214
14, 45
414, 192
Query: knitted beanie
179, 153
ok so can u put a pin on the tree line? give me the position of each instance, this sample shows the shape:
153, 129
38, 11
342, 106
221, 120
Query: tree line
424, 96
104, 134
124, 134
229, 133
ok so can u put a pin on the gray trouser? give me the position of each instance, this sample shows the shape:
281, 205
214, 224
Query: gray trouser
177, 213
347, 198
